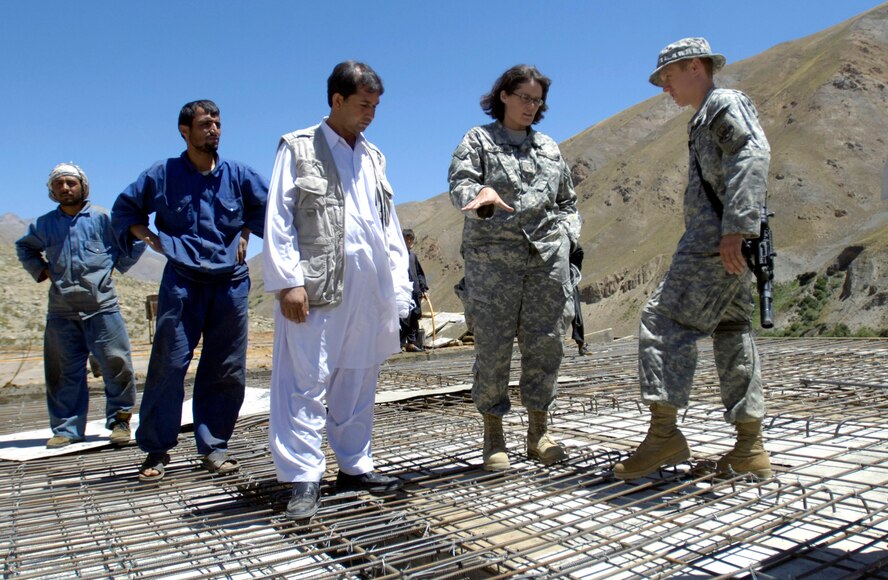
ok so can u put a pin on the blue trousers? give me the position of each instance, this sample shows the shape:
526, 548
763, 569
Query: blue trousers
187, 309
66, 347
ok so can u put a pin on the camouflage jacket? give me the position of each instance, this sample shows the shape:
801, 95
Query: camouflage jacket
727, 139
532, 178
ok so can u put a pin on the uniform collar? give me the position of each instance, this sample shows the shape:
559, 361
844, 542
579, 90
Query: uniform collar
501, 137
700, 115
193, 169
85, 210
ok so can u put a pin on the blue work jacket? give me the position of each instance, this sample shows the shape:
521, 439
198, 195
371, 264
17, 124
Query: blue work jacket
79, 252
198, 218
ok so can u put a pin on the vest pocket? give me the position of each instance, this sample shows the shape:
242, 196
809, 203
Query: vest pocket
316, 261
312, 190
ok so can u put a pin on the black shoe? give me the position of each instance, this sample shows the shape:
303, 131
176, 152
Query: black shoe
370, 481
305, 500
584, 350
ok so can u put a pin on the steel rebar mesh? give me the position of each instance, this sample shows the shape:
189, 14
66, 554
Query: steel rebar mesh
824, 514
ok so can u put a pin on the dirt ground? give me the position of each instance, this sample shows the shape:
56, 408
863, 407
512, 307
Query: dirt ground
21, 370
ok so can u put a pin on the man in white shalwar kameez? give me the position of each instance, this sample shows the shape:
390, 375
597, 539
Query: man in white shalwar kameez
335, 256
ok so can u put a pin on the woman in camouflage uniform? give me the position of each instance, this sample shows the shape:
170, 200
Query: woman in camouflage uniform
515, 191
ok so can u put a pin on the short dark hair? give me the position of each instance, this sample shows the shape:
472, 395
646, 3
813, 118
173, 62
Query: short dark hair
347, 77
509, 81
408, 233
189, 110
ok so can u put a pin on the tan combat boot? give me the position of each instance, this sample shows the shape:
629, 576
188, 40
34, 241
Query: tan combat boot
539, 445
748, 454
120, 428
663, 445
495, 457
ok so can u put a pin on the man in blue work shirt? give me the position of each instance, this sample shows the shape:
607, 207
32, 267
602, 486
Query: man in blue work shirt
205, 209
75, 248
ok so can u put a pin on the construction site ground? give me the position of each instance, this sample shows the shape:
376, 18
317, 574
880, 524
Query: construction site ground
824, 513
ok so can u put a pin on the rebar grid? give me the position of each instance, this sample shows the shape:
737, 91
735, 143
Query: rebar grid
824, 514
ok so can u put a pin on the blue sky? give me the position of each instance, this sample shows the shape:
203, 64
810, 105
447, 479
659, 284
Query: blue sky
101, 82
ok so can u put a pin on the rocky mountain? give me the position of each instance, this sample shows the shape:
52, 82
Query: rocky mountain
823, 102
23, 302
12, 227
149, 268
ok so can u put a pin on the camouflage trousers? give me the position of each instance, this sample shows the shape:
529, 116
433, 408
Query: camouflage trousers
697, 299
512, 291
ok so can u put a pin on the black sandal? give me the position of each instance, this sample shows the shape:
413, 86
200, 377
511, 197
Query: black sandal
156, 462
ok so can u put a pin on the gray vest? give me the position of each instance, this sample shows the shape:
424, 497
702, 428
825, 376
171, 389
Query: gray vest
319, 214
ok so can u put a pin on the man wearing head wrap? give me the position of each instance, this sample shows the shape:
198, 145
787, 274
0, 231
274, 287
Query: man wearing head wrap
205, 208
75, 248
707, 290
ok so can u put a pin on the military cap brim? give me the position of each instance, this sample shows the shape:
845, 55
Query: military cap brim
685, 49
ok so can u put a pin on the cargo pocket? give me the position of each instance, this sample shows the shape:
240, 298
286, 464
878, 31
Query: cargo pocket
97, 257
697, 295
310, 207
316, 261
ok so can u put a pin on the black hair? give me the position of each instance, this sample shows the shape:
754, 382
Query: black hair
189, 110
408, 233
509, 81
347, 77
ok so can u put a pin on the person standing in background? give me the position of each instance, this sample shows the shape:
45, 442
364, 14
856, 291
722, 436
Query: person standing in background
74, 247
577, 327
410, 324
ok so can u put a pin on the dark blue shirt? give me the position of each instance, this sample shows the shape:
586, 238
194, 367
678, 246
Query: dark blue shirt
79, 251
199, 218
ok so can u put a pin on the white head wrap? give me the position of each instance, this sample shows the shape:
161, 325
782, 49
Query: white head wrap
66, 169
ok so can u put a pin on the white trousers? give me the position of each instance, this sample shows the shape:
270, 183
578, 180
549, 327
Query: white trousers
298, 416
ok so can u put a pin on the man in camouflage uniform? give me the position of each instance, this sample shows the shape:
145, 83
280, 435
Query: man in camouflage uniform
515, 191
707, 291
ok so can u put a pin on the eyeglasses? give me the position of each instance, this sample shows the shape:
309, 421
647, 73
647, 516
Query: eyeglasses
528, 100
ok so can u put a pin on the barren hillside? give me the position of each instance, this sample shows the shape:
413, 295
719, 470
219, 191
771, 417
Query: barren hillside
824, 105
23, 303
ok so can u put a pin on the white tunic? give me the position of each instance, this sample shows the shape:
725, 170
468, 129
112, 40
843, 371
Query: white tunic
362, 331
331, 361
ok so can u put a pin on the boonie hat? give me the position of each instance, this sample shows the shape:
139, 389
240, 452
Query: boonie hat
682, 50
